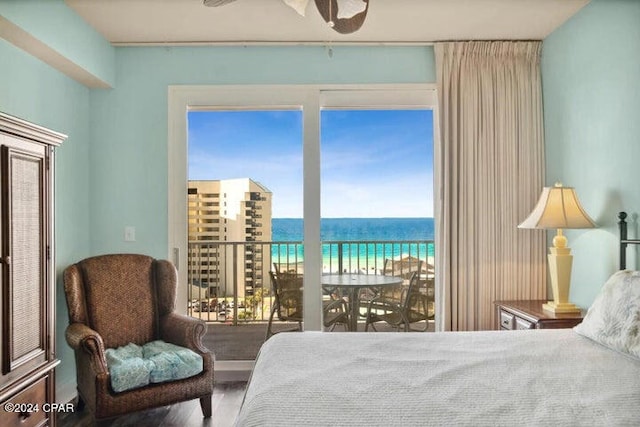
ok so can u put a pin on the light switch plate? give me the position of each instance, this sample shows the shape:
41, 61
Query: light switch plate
129, 233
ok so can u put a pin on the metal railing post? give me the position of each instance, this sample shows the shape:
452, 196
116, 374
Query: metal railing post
235, 284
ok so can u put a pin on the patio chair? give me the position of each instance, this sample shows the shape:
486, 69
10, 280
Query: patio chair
404, 307
124, 299
334, 310
287, 300
287, 304
404, 268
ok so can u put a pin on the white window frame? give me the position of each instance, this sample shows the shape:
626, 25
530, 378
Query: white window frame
311, 99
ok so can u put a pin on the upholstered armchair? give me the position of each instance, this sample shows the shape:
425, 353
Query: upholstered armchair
118, 299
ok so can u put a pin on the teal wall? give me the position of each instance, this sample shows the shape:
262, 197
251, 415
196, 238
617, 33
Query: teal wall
34, 91
129, 123
65, 32
591, 89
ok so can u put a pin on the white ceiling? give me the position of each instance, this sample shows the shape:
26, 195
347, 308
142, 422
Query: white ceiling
264, 21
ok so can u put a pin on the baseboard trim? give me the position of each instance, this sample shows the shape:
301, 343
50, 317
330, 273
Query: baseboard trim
232, 370
66, 393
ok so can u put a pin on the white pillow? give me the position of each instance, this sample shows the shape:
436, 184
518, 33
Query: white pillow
614, 318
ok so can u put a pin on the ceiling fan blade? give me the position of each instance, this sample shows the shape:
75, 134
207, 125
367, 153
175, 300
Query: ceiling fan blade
215, 3
299, 6
350, 8
348, 24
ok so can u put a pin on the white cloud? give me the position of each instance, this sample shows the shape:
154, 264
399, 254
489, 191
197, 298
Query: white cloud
402, 197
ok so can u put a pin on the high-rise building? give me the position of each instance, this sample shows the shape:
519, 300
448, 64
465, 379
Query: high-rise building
225, 217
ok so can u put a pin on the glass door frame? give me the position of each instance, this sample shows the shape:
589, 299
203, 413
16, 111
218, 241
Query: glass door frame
311, 99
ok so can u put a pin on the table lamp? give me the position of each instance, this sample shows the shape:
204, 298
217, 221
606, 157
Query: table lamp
558, 207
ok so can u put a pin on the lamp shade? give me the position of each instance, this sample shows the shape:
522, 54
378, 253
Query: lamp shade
558, 207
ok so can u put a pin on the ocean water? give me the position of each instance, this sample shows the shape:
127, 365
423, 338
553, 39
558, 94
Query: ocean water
368, 241
358, 229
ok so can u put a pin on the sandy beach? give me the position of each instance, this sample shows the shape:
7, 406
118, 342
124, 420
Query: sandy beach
398, 265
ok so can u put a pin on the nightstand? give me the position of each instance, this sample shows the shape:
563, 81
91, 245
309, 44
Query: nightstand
528, 314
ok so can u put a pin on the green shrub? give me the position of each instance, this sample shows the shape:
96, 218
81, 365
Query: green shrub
244, 315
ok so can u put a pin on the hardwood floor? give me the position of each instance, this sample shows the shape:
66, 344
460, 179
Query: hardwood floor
227, 398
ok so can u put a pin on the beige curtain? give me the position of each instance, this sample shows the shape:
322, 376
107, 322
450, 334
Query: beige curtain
490, 171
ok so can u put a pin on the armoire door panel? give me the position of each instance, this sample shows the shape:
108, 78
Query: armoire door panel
24, 207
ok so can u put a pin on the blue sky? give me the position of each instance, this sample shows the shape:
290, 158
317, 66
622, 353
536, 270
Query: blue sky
374, 163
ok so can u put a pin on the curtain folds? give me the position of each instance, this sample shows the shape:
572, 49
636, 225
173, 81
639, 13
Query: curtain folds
490, 170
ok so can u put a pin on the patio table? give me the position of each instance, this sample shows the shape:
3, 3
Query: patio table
352, 283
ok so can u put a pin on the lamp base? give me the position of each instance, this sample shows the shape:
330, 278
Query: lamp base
563, 307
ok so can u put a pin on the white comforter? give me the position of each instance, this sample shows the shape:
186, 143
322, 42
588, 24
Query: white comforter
492, 378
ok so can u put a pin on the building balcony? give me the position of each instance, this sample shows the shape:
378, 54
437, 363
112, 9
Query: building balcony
243, 299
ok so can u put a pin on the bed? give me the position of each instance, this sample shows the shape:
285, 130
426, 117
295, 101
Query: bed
589, 375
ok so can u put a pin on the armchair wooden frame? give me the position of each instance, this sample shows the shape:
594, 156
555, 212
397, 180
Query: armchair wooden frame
121, 298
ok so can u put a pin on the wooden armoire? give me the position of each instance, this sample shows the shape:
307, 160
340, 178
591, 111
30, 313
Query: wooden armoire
27, 277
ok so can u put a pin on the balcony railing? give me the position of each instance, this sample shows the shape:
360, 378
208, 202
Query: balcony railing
240, 292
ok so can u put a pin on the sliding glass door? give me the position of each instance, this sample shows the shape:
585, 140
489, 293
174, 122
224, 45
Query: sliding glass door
244, 209
377, 193
313, 107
